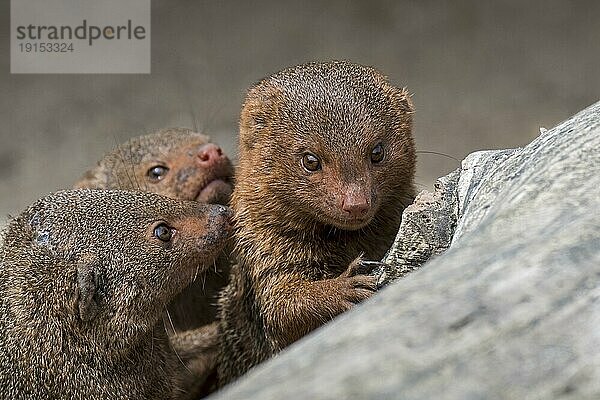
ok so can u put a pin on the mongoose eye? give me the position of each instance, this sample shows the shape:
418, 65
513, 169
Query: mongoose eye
377, 153
157, 172
311, 163
163, 232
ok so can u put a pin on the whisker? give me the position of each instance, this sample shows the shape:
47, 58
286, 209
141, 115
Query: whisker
125, 163
137, 184
180, 360
170, 322
439, 154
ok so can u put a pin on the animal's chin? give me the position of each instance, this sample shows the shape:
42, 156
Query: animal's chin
346, 223
216, 191
352, 225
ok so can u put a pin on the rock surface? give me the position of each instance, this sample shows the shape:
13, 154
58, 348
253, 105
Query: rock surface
510, 311
426, 230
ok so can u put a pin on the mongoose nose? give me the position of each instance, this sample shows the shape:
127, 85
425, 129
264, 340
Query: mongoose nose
221, 215
217, 209
355, 206
209, 154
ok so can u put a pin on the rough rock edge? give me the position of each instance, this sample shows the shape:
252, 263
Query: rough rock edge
426, 230
428, 225
437, 220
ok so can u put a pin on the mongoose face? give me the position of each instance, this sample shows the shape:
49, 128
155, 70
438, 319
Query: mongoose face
104, 264
329, 142
176, 163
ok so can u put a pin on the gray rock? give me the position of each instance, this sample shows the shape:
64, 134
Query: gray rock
510, 311
426, 230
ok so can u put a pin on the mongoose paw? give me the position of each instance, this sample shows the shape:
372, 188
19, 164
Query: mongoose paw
355, 289
356, 283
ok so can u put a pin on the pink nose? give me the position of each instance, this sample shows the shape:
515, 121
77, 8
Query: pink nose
209, 154
356, 206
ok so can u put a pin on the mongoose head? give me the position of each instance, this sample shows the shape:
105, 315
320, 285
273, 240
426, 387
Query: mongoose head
329, 142
103, 264
175, 162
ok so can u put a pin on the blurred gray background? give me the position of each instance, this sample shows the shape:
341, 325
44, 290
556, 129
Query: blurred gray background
484, 75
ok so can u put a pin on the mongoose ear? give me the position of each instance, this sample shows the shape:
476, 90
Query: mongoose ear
401, 99
87, 286
94, 178
261, 106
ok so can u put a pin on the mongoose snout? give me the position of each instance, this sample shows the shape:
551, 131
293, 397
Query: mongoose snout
219, 226
207, 229
210, 154
356, 204
217, 186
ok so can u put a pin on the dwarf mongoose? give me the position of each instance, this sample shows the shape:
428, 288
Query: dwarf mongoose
326, 167
85, 276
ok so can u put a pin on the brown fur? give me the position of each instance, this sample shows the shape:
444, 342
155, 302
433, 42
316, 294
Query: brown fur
199, 350
298, 249
83, 283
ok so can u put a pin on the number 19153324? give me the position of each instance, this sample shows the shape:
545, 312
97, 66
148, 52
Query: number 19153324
62, 47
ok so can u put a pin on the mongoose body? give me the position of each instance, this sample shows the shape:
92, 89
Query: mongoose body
326, 167
85, 276
180, 164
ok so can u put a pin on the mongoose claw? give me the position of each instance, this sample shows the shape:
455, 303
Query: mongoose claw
373, 265
363, 267
354, 289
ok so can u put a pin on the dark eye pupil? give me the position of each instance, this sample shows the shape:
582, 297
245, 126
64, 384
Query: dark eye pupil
157, 172
163, 232
377, 153
311, 162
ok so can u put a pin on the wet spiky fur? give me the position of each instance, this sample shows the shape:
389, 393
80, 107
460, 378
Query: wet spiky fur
292, 245
83, 285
